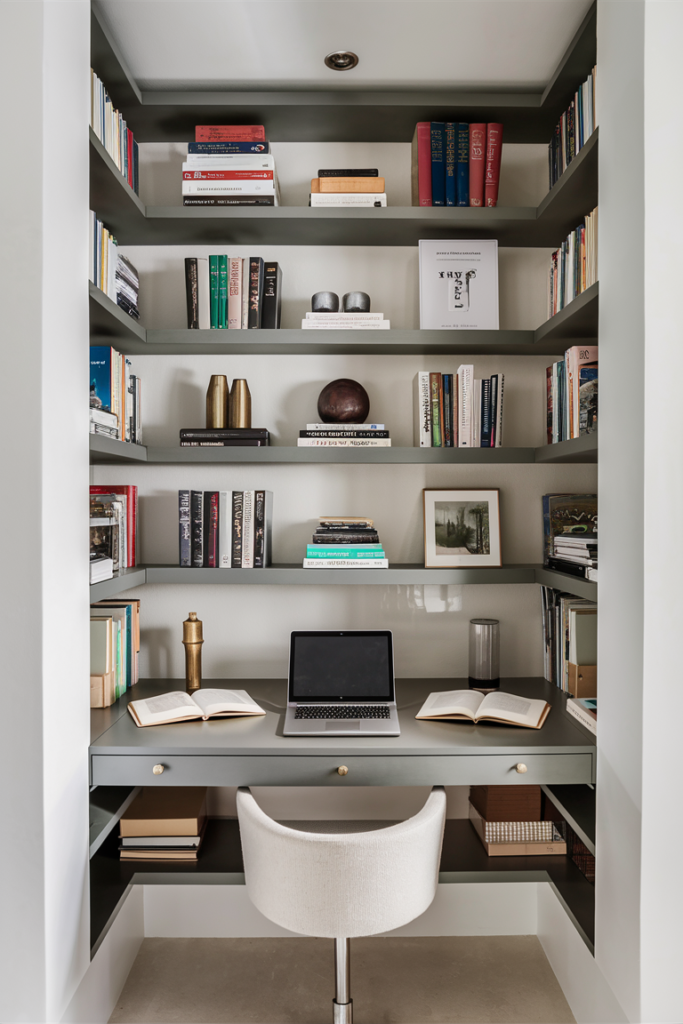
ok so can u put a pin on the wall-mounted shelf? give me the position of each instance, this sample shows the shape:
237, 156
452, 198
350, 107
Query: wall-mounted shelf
107, 449
578, 449
107, 805
577, 805
109, 325
126, 579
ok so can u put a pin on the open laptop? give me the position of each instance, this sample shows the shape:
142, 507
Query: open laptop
341, 683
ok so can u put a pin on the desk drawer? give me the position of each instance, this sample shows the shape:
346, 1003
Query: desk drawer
454, 770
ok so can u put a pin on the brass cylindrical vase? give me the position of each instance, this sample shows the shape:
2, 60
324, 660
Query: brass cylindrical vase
193, 638
240, 404
217, 402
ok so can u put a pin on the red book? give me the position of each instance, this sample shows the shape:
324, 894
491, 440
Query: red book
202, 175
421, 161
477, 163
229, 133
131, 492
494, 149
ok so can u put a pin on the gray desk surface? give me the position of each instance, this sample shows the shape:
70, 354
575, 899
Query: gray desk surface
114, 731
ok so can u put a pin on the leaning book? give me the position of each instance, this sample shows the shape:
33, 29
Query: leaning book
178, 706
458, 285
472, 706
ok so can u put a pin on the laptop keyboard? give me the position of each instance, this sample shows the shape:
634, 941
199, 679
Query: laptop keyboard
343, 711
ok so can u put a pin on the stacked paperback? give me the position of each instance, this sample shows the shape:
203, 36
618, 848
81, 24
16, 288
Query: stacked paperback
230, 165
457, 410
508, 821
455, 164
101, 568
344, 435
573, 130
165, 823
115, 395
229, 292
348, 187
225, 529
570, 529
114, 650
574, 266
345, 542
585, 710
345, 322
113, 132
111, 272
224, 437
572, 394
113, 524
570, 642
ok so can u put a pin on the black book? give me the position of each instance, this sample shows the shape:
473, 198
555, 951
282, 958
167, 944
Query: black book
346, 538
237, 522
220, 433
229, 200
210, 529
235, 442
184, 530
127, 306
343, 434
272, 296
255, 292
197, 513
192, 293
259, 529
358, 172
571, 568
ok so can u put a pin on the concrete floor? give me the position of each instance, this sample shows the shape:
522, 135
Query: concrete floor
492, 980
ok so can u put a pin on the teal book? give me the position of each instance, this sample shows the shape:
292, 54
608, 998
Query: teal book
223, 291
213, 289
323, 551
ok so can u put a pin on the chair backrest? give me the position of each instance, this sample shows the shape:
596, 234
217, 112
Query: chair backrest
342, 885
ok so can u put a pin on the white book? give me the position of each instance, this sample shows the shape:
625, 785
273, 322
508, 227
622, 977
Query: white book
347, 442
229, 162
360, 325
248, 530
343, 317
582, 715
203, 293
346, 563
345, 426
422, 411
245, 293
348, 199
476, 414
250, 187
465, 381
179, 706
235, 292
459, 284
224, 529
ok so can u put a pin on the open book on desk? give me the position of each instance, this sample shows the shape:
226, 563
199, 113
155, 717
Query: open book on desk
179, 706
472, 706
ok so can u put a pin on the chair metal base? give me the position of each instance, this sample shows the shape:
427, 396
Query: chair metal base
343, 1012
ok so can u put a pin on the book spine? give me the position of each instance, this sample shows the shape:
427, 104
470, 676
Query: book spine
363, 172
245, 293
345, 537
237, 518
197, 512
438, 132
211, 529
272, 296
220, 148
192, 294
322, 442
346, 426
342, 552
476, 413
477, 163
494, 149
343, 434
462, 171
213, 286
224, 529
485, 436
255, 292
465, 374
235, 293
499, 410
185, 533
229, 133
248, 530
222, 434
422, 412
222, 292
229, 200
449, 167
447, 384
345, 563
422, 165
207, 172
583, 716
435, 404
259, 529
203, 294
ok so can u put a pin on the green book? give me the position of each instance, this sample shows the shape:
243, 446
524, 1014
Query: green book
222, 291
213, 289
323, 551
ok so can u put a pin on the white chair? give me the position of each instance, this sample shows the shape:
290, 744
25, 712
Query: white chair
342, 884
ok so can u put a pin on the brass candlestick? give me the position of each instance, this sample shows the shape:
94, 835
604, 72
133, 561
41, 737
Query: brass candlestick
240, 404
217, 402
193, 639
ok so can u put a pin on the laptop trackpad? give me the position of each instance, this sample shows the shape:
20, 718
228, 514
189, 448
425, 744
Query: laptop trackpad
335, 724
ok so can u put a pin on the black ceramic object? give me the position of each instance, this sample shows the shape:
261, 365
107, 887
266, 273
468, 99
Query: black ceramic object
356, 302
325, 302
343, 401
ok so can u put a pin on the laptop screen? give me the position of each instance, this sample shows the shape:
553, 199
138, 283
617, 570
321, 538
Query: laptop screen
341, 666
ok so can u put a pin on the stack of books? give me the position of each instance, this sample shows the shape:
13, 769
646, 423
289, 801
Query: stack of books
112, 273
577, 549
230, 165
344, 435
570, 642
114, 650
113, 524
570, 529
573, 130
167, 823
115, 396
342, 187
224, 437
112, 131
234, 293
345, 542
574, 266
457, 410
225, 529
585, 711
101, 568
507, 820
455, 164
572, 394
345, 322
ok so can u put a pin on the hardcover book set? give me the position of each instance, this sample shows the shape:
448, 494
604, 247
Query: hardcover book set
229, 292
456, 164
225, 529
456, 410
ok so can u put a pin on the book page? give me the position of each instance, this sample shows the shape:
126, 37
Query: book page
452, 702
167, 707
215, 702
517, 710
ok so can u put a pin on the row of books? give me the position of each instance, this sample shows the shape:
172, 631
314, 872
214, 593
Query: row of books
573, 130
570, 642
229, 292
348, 187
574, 266
457, 410
344, 435
111, 272
115, 396
114, 524
215, 173
345, 542
225, 529
456, 164
113, 132
572, 394
570, 534
114, 650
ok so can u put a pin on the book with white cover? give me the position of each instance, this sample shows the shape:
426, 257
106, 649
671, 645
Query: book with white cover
346, 563
344, 442
345, 426
224, 529
422, 411
465, 385
348, 199
244, 186
355, 325
228, 162
342, 317
459, 285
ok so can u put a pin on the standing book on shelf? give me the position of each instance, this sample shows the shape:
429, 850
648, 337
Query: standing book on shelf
255, 292
421, 165
458, 284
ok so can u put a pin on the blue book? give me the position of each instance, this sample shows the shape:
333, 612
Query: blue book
438, 136
462, 164
450, 164
100, 378
219, 148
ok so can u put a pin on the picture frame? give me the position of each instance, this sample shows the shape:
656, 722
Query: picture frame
461, 528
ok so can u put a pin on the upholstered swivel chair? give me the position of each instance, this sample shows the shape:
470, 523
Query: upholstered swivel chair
341, 884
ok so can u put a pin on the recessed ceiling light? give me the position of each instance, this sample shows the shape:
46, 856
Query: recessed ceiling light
341, 60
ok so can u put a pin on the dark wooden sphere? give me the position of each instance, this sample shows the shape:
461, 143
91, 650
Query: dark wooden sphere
343, 401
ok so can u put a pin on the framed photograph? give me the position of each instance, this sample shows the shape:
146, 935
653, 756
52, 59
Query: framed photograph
461, 528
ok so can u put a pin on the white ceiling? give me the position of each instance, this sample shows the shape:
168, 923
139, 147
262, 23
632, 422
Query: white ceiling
401, 43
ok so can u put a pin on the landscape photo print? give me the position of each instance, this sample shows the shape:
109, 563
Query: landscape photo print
461, 528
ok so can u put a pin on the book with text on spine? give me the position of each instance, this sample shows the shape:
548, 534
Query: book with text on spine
346, 563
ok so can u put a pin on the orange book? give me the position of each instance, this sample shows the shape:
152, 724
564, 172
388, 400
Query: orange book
347, 185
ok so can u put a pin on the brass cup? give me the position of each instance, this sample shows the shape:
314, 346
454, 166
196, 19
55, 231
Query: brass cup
240, 404
217, 402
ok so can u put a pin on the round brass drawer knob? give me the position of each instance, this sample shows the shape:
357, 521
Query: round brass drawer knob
521, 769
342, 770
158, 769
